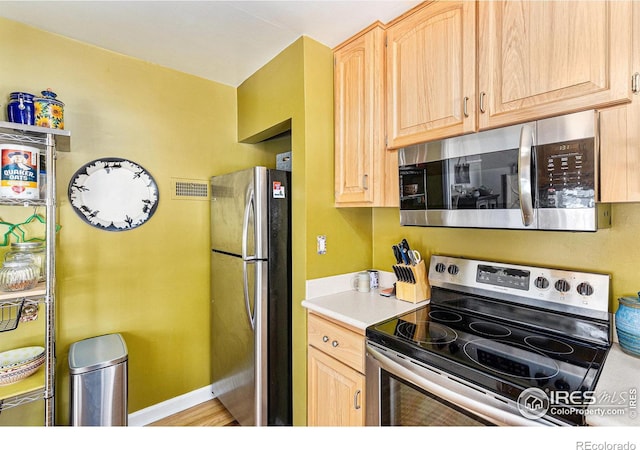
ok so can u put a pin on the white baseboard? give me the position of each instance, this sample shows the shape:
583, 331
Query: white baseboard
168, 407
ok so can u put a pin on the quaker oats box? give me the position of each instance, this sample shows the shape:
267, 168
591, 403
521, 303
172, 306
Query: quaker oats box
20, 171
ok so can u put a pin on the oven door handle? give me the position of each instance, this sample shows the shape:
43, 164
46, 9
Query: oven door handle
524, 174
484, 410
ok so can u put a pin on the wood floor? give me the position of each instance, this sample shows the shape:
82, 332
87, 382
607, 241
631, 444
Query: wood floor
208, 414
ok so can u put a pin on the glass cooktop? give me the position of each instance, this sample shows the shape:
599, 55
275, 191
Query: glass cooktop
480, 341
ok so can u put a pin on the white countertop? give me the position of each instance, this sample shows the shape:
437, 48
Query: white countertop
619, 382
359, 309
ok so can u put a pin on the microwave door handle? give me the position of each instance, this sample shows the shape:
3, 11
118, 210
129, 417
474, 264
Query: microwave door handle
524, 174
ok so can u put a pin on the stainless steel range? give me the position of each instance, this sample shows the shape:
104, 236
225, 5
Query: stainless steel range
498, 344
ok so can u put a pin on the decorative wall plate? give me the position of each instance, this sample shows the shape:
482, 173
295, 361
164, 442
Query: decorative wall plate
113, 194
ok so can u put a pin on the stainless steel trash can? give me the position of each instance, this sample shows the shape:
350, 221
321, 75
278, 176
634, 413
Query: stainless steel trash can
98, 372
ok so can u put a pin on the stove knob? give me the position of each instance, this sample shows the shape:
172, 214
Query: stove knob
541, 283
453, 269
440, 268
562, 285
561, 385
585, 289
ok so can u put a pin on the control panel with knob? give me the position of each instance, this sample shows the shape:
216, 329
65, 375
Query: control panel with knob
562, 286
541, 283
440, 268
585, 289
557, 289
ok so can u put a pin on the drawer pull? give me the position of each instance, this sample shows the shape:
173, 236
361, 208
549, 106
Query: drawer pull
325, 338
482, 96
334, 343
356, 399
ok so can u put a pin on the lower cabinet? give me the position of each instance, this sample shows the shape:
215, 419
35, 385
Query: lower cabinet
336, 381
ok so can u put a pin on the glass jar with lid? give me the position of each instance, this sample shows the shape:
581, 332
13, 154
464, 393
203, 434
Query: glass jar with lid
20, 108
18, 275
32, 250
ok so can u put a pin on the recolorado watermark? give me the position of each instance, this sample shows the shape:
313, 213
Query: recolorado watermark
590, 445
534, 403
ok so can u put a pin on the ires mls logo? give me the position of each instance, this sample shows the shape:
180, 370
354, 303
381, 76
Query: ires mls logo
534, 403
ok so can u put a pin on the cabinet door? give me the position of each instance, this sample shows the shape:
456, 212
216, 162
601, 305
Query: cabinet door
620, 138
335, 392
431, 73
539, 59
620, 153
365, 173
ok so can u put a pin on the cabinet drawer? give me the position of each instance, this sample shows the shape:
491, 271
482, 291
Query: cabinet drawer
342, 344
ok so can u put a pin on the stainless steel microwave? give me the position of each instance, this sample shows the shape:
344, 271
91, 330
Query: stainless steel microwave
540, 175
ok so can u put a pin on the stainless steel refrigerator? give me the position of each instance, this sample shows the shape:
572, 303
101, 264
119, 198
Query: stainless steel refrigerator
251, 295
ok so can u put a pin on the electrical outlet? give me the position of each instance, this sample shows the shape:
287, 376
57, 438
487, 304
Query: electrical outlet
321, 242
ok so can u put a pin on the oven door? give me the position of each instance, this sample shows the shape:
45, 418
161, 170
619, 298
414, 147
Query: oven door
401, 391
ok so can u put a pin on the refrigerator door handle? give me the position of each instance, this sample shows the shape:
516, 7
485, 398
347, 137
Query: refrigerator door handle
250, 206
247, 259
245, 275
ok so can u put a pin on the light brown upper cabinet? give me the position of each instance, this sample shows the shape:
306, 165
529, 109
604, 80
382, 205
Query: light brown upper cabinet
431, 73
366, 174
544, 58
620, 137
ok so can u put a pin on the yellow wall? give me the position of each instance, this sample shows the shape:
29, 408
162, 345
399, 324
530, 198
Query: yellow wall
297, 85
612, 251
152, 283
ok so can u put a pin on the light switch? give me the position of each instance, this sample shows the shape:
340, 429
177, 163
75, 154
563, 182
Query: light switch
322, 244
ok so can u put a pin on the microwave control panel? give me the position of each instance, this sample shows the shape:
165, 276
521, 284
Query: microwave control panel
566, 174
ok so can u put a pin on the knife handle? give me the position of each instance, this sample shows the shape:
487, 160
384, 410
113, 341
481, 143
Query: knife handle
405, 257
416, 288
397, 253
412, 275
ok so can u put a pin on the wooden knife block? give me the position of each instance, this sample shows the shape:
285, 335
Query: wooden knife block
418, 292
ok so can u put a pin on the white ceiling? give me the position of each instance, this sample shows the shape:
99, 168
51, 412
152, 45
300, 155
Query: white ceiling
224, 41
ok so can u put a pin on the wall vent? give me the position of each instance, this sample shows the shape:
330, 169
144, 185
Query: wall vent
185, 189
